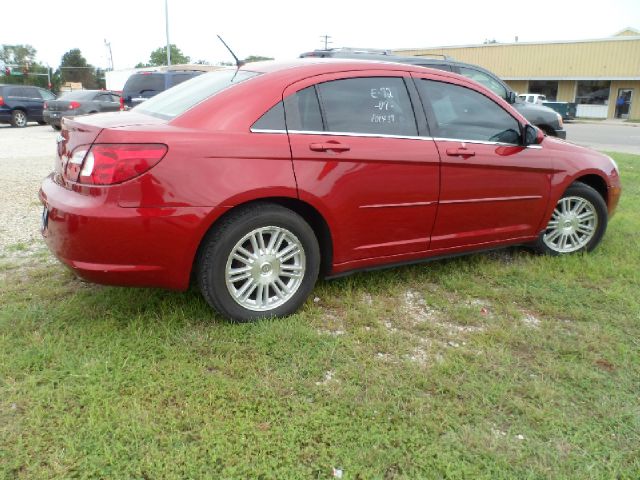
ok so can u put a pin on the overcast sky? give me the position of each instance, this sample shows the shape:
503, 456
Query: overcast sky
284, 29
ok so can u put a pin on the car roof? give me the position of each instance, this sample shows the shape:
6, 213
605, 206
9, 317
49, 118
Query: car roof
316, 66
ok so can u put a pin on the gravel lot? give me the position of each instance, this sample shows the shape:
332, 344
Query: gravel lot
26, 157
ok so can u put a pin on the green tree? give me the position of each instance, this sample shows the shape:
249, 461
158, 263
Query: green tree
17, 54
22, 60
256, 58
74, 68
159, 57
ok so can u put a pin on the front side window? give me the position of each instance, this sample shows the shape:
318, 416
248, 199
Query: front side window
463, 114
486, 80
372, 105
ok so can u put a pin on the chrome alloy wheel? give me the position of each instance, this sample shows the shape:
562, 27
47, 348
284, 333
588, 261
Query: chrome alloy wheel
20, 118
265, 268
573, 224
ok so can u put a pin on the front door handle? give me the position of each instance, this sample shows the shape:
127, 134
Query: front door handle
329, 147
460, 152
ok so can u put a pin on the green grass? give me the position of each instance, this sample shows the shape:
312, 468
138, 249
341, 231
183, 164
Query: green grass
503, 365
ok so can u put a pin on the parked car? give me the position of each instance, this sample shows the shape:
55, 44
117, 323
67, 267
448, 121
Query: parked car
542, 117
143, 85
567, 110
536, 98
374, 164
21, 104
79, 102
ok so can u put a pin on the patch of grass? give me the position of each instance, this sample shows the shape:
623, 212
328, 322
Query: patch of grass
501, 365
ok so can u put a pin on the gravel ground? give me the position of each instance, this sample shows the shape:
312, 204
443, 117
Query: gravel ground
26, 157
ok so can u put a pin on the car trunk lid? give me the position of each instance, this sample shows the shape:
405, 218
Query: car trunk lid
79, 133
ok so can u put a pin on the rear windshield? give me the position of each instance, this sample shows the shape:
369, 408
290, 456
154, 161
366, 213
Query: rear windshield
177, 100
78, 95
144, 82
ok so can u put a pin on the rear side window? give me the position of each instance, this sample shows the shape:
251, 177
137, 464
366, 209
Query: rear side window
177, 100
144, 82
273, 119
177, 78
303, 111
463, 114
372, 105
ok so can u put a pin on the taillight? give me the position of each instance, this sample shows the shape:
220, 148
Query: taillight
46, 105
1, 101
121, 103
74, 105
106, 164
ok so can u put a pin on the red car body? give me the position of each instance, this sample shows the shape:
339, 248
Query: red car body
378, 201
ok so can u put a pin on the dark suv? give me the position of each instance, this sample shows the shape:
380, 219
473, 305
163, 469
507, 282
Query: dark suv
143, 85
20, 104
549, 121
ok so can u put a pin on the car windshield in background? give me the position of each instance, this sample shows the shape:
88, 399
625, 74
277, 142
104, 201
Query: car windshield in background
177, 100
78, 95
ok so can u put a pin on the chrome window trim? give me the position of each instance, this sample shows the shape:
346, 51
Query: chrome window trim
382, 135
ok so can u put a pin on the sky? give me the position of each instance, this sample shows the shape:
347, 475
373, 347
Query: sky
284, 29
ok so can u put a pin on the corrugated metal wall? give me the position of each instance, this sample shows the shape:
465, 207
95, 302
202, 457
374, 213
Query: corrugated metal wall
594, 59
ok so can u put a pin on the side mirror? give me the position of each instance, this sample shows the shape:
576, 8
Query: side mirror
511, 97
532, 135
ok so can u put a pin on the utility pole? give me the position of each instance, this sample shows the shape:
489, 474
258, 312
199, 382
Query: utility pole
108, 45
166, 20
326, 41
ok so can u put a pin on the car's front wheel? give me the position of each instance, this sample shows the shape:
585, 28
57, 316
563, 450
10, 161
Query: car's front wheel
261, 261
577, 223
18, 118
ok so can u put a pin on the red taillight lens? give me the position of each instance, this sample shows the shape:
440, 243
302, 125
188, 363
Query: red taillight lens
1, 101
73, 105
121, 103
107, 164
46, 105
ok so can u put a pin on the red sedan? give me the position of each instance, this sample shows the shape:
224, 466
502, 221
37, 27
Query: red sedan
256, 181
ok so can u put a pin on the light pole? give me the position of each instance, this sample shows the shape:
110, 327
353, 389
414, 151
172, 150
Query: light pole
166, 21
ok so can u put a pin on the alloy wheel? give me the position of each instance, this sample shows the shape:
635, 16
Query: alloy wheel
265, 268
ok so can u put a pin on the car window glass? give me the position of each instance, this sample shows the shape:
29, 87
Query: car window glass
464, 114
273, 119
177, 78
144, 82
486, 80
303, 111
373, 105
47, 95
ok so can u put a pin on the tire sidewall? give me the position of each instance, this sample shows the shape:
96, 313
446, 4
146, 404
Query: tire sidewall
216, 254
582, 190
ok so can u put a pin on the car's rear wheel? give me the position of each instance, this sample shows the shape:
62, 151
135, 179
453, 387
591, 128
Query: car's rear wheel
261, 261
18, 119
577, 223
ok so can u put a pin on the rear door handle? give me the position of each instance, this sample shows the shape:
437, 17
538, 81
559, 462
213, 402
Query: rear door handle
460, 152
329, 147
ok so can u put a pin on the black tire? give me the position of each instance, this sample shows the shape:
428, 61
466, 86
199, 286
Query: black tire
596, 204
42, 122
223, 238
56, 127
19, 119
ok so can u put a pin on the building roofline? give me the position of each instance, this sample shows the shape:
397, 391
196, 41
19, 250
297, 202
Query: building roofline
628, 38
613, 79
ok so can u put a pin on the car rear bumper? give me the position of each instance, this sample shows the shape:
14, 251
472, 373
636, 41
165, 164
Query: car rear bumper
560, 133
54, 118
104, 243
